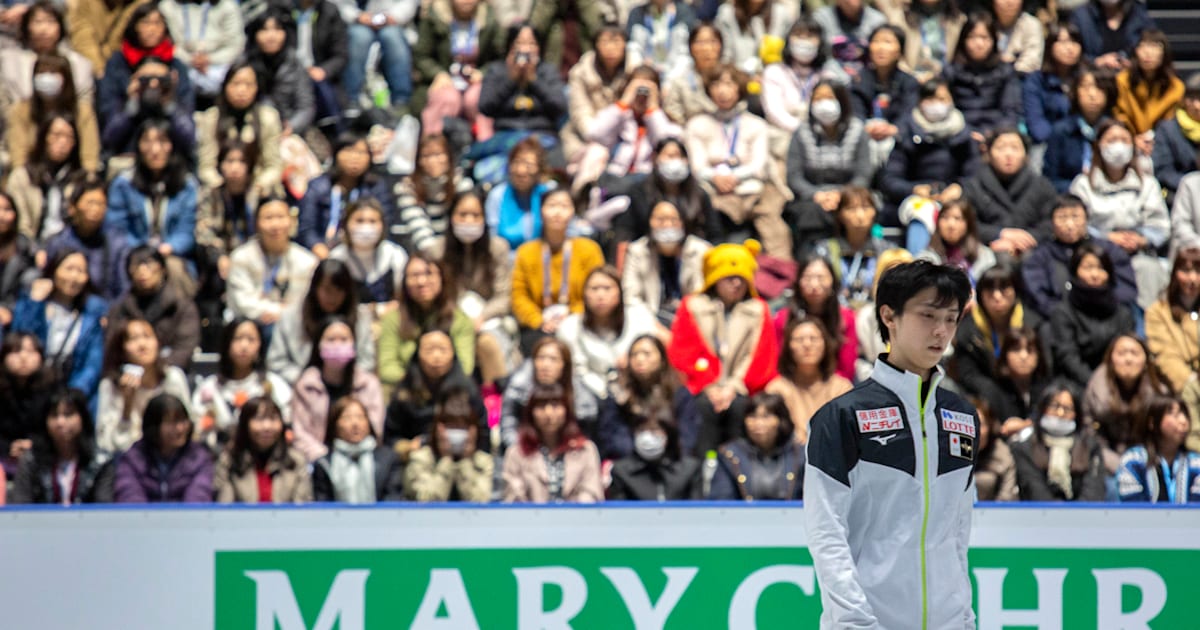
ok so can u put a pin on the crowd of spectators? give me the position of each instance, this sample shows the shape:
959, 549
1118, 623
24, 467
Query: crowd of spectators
282, 251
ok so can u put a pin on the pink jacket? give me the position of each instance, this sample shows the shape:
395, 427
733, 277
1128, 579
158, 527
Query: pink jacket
310, 409
631, 148
526, 479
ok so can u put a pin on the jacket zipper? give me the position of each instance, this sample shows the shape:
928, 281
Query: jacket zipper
925, 512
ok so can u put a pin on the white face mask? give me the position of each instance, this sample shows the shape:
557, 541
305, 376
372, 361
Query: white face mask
650, 445
467, 232
1117, 154
364, 237
1057, 426
936, 111
803, 50
457, 439
826, 111
48, 84
667, 236
674, 171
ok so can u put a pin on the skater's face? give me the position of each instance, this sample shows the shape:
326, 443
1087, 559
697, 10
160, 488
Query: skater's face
921, 333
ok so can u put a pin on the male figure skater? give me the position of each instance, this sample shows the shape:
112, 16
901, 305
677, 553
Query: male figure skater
889, 484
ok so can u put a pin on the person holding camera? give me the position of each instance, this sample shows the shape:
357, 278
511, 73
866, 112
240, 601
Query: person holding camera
382, 22
145, 81
522, 93
621, 137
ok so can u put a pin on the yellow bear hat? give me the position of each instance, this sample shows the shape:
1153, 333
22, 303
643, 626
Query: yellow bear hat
730, 259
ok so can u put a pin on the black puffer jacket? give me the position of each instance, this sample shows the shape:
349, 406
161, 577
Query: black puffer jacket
1024, 202
1081, 327
988, 97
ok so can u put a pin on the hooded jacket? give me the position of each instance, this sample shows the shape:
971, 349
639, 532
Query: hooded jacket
888, 494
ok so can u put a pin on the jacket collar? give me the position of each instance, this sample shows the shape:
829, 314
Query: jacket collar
902, 382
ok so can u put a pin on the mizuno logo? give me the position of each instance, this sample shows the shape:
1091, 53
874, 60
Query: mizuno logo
884, 439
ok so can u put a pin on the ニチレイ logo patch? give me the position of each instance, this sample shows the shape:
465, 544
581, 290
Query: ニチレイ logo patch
879, 420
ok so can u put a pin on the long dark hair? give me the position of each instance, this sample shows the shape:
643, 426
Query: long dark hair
229, 122
452, 404
412, 316
40, 170
225, 363
1148, 432
1051, 392
831, 316
692, 200
1102, 129
335, 413
160, 409
1101, 254
418, 177
570, 437
173, 177
66, 400
114, 350
1161, 80
41, 6
130, 34
315, 360
52, 267
416, 387
741, 13
41, 379
970, 241
66, 100
337, 273
240, 445
470, 263
1024, 337
984, 19
806, 26
774, 405
1053, 31
1187, 258
589, 318
787, 363
345, 140
1149, 375
657, 393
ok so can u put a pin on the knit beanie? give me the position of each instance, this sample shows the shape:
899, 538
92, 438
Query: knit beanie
730, 259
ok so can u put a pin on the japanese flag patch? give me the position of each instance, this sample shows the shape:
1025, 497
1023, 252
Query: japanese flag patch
956, 422
962, 446
879, 420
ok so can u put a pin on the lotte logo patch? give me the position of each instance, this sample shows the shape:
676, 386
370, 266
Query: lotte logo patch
957, 422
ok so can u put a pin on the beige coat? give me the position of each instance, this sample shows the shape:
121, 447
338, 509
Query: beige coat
245, 289
16, 71
587, 94
1026, 44
640, 281
21, 134
1175, 345
802, 404
95, 30
996, 478
916, 59
526, 479
500, 304
740, 330
28, 201
268, 172
290, 483
427, 479
684, 97
708, 147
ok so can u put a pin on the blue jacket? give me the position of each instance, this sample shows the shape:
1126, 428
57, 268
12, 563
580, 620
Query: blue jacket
1174, 155
1090, 20
87, 360
919, 158
1137, 484
740, 464
902, 96
988, 98
1046, 102
1064, 153
315, 206
105, 252
1046, 274
127, 215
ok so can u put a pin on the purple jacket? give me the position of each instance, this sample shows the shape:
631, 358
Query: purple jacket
189, 479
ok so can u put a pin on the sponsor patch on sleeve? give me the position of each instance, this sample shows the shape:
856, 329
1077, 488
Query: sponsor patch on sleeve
957, 422
879, 420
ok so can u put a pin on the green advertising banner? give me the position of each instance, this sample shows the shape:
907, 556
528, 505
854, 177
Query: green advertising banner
675, 589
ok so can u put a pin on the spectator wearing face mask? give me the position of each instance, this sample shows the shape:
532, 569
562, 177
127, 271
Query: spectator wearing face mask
665, 265
1069, 148
672, 181
657, 470
54, 94
1058, 458
449, 466
848, 26
789, 87
42, 31
331, 376
828, 151
376, 263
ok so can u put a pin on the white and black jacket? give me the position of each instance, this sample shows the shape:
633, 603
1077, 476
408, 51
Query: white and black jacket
888, 501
